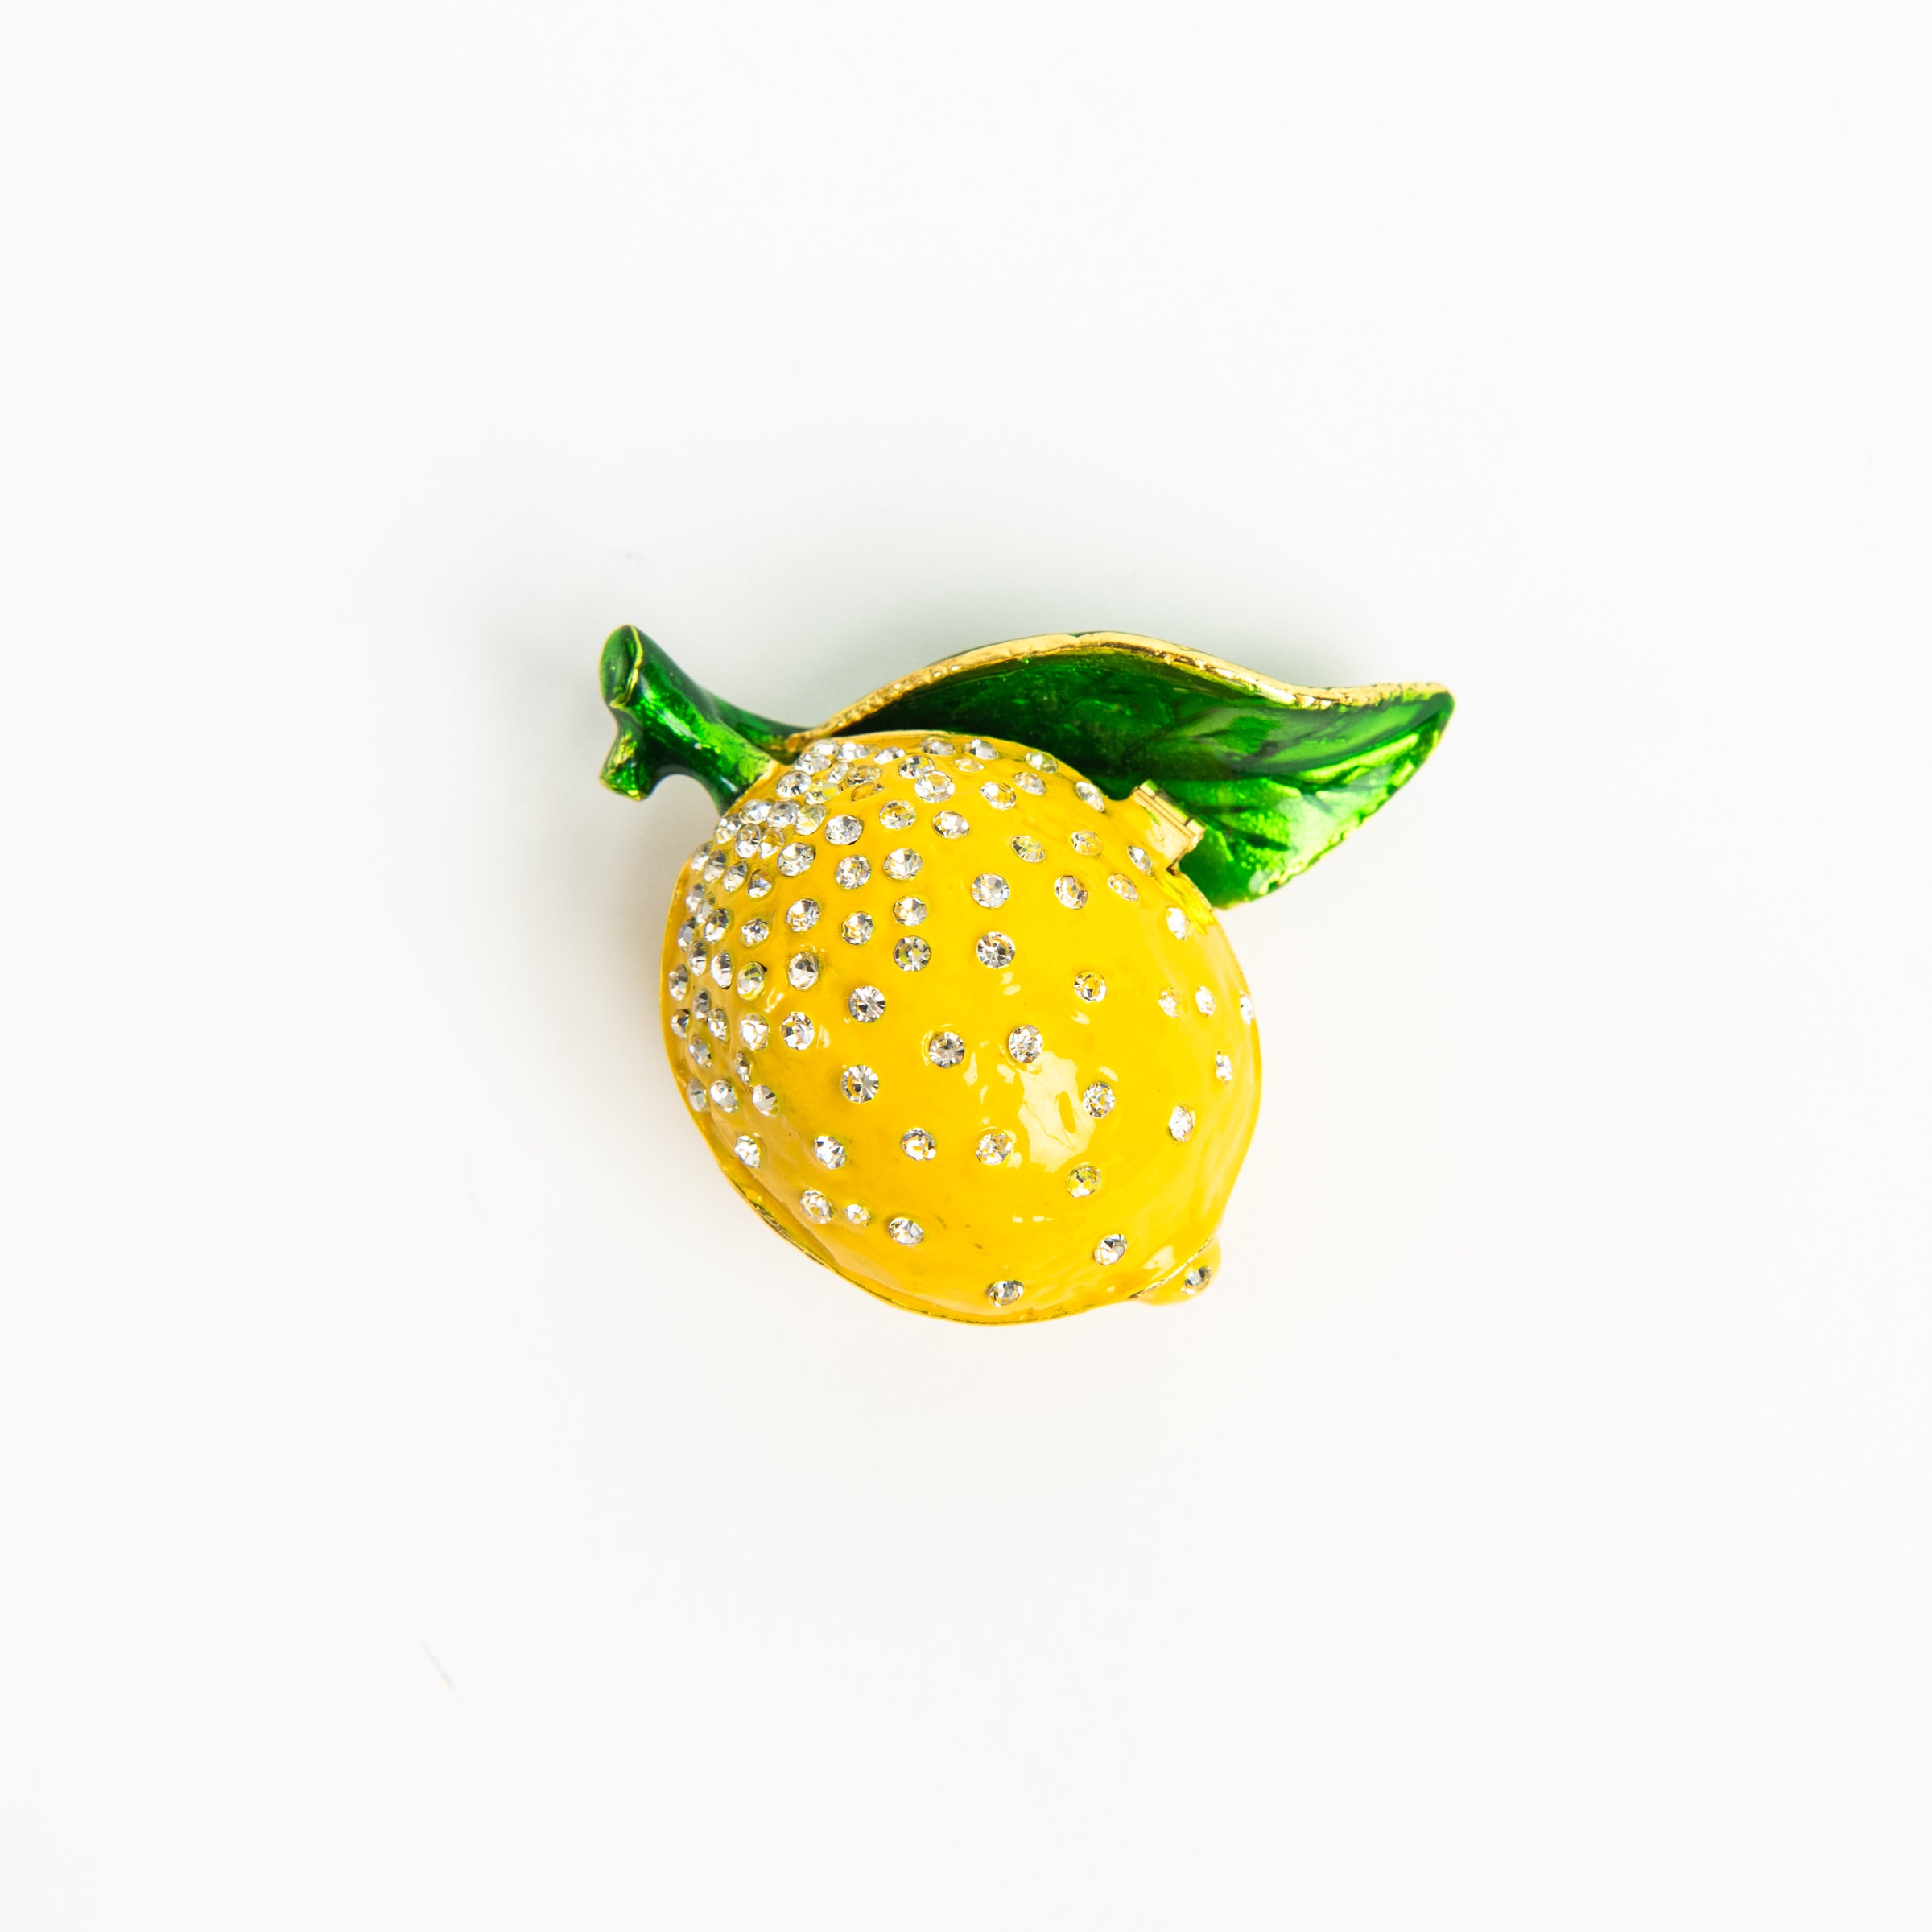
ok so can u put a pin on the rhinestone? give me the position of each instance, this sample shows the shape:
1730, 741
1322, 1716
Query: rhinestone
1177, 922
751, 978
1119, 882
701, 1006
1029, 848
990, 890
830, 1149
951, 825
687, 933
858, 1214
814, 1206
758, 885
734, 876
966, 764
1224, 1068
810, 816
790, 785
916, 1144
843, 830
1138, 857
867, 1003
851, 751
680, 1022
1082, 1180
813, 758
693, 1092
912, 764
700, 1051
1171, 1004
1085, 844
1030, 782
749, 1149
679, 982
1203, 1000
784, 817
1042, 761
910, 910
720, 968
896, 815
1000, 796
910, 955
859, 1084
801, 914
1090, 794
863, 788
856, 928
801, 969
741, 1066
1109, 1248
699, 857
1070, 891
755, 932
1001, 1294
1023, 1044
757, 812
727, 829
797, 1031
764, 1099
794, 858
901, 863
992, 1149
719, 1026
936, 748
724, 1096
1098, 1100
946, 1049
1247, 1010
696, 899
994, 949
755, 844
755, 1030
1180, 1123
1090, 986
907, 1232
1196, 1278
853, 871
933, 787
714, 870
699, 959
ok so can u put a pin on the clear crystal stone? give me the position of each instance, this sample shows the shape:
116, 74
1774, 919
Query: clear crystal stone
700, 1051
1029, 847
1030, 782
679, 982
858, 1084
686, 934
1177, 922
909, 910
701, 1006
814, 1206
911, 955
936, 748
1002, 1294
764, 1099
1085, 844
726, 829
810, 817
903, 862
758, 885
1097, 1098
867, 787
1090, 794
843, 830
755, 932
1090, 987
1224, 1067
1042, 761
797, 1031
801, 969
699, 959
933, 787
1070, 891
1023, 1044
814, 759
1109, 1248
734, 876
1203, 1000
1082, 1180
858, 1214
1180, 1123
755, 1030
1170, 1002
867, 1003
680, 1022
905, 1230
802, 914
994, 949
794, 858
693, 1092
696, 899
951, 825
724, 1096
719, 1024
757, 812
1118, 883
714, 870
699, 857
946, 1048
741, 1063
1000, 796
790, 785
1247, 1010
1137, 856
912, 764
783, 817
749, 1149
896, 815
982, 748
852, 751
855, 928
990, 890
830, 1149
853, 871
1197, 1278
916, 1144
720, 968
992, 1148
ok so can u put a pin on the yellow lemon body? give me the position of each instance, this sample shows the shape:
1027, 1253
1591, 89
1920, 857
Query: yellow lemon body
954, 1024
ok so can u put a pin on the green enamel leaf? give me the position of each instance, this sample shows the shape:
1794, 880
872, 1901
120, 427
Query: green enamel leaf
668, 723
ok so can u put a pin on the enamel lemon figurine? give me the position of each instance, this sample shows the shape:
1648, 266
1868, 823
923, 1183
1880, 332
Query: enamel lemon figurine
946, 991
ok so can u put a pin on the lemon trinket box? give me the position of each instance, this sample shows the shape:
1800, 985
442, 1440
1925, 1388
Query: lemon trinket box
946, 990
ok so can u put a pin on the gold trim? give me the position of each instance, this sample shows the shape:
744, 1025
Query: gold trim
1299, 696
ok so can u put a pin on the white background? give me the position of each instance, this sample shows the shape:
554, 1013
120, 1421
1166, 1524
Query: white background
428, 1499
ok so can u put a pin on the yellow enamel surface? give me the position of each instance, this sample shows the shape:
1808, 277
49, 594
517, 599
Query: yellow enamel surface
1037, 1215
